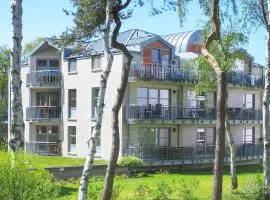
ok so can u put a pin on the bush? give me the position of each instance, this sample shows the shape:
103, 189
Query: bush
130, 161
142, 192
20, 179
253, 190
162, 191
3, 144
187, 188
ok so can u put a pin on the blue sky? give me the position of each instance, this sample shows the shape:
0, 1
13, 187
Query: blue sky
46, 18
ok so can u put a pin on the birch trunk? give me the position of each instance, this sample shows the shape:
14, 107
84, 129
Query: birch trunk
127, 58
88, 166
266, 131
17, 123
234, 181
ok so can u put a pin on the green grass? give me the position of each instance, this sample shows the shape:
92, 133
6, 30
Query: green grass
57, 161
205, 178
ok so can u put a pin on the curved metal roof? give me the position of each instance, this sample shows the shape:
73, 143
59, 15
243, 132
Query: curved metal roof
181, 41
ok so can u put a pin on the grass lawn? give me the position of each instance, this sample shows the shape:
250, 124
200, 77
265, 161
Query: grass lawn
128, 185
57, 161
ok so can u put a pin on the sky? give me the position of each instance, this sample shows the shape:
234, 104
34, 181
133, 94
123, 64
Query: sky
46, 18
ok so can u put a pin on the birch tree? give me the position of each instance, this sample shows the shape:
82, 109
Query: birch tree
257, 13
101, 96
17, 123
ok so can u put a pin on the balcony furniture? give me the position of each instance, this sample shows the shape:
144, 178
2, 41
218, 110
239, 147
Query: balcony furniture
148, 111
158, 111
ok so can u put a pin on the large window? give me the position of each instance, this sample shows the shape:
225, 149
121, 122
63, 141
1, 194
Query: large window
194, 101
249, 101
152, 96
249, 135
149, 137
47, 133
72, 103
94, 102
47, 99
47, 64
72, 65
72, 139
96, 62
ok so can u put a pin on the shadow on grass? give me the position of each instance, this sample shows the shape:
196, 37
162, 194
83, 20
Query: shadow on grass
67, 191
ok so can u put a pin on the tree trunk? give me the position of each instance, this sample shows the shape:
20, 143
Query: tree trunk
86, 175
17, 123
234, 181
220, 136
266, 131
127, 58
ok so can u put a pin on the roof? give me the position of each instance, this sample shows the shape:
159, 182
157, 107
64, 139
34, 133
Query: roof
43, 46
181, 41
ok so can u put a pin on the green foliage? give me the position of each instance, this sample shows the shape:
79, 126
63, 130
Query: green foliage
30, 46
96, 186
186, 189
163, 191
253, 190
143, 192
4, 65
130, 161
3, 144
21, 179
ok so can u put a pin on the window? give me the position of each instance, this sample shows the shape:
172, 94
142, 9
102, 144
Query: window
249, 101
149, 137
96, 62
54, 63
152, 96
72, 139
72, 104
47, 64
72, 65
47, 133
47, 99
94, 102
193, 101
249, 135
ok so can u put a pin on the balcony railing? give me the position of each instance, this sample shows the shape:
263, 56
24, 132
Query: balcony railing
43, 148
46, 78
43, 113
173, 112
192, 153
171, 73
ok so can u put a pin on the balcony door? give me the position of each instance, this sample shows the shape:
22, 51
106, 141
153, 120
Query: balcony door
45, 99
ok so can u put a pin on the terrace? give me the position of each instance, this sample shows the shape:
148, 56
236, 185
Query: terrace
149, 72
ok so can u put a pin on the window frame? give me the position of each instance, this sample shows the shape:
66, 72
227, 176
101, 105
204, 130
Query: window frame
72, 132
96, 60
69, 104
70, 61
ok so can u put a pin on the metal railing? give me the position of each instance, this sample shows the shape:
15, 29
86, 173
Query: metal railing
192, 153
172, 112
173, 73
44, 78
40, 113
43, 148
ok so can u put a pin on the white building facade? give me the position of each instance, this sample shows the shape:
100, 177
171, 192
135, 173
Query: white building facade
161, 119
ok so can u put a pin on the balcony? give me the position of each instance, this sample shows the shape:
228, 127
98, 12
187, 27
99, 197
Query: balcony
174, 112
45, 78
43, 148
192, 154
43, 113
150, 72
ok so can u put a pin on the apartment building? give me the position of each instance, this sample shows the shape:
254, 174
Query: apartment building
161, 119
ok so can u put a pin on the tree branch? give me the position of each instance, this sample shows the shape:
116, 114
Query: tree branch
265, 20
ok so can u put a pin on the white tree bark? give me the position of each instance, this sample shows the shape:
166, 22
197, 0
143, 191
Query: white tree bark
101, 96
234, 181
266, 130
17, 123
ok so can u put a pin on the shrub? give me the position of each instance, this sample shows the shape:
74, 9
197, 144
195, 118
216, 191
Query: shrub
130, 161
163, 191
187, 188
142, 192
253, 190
20, 179
3, 144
